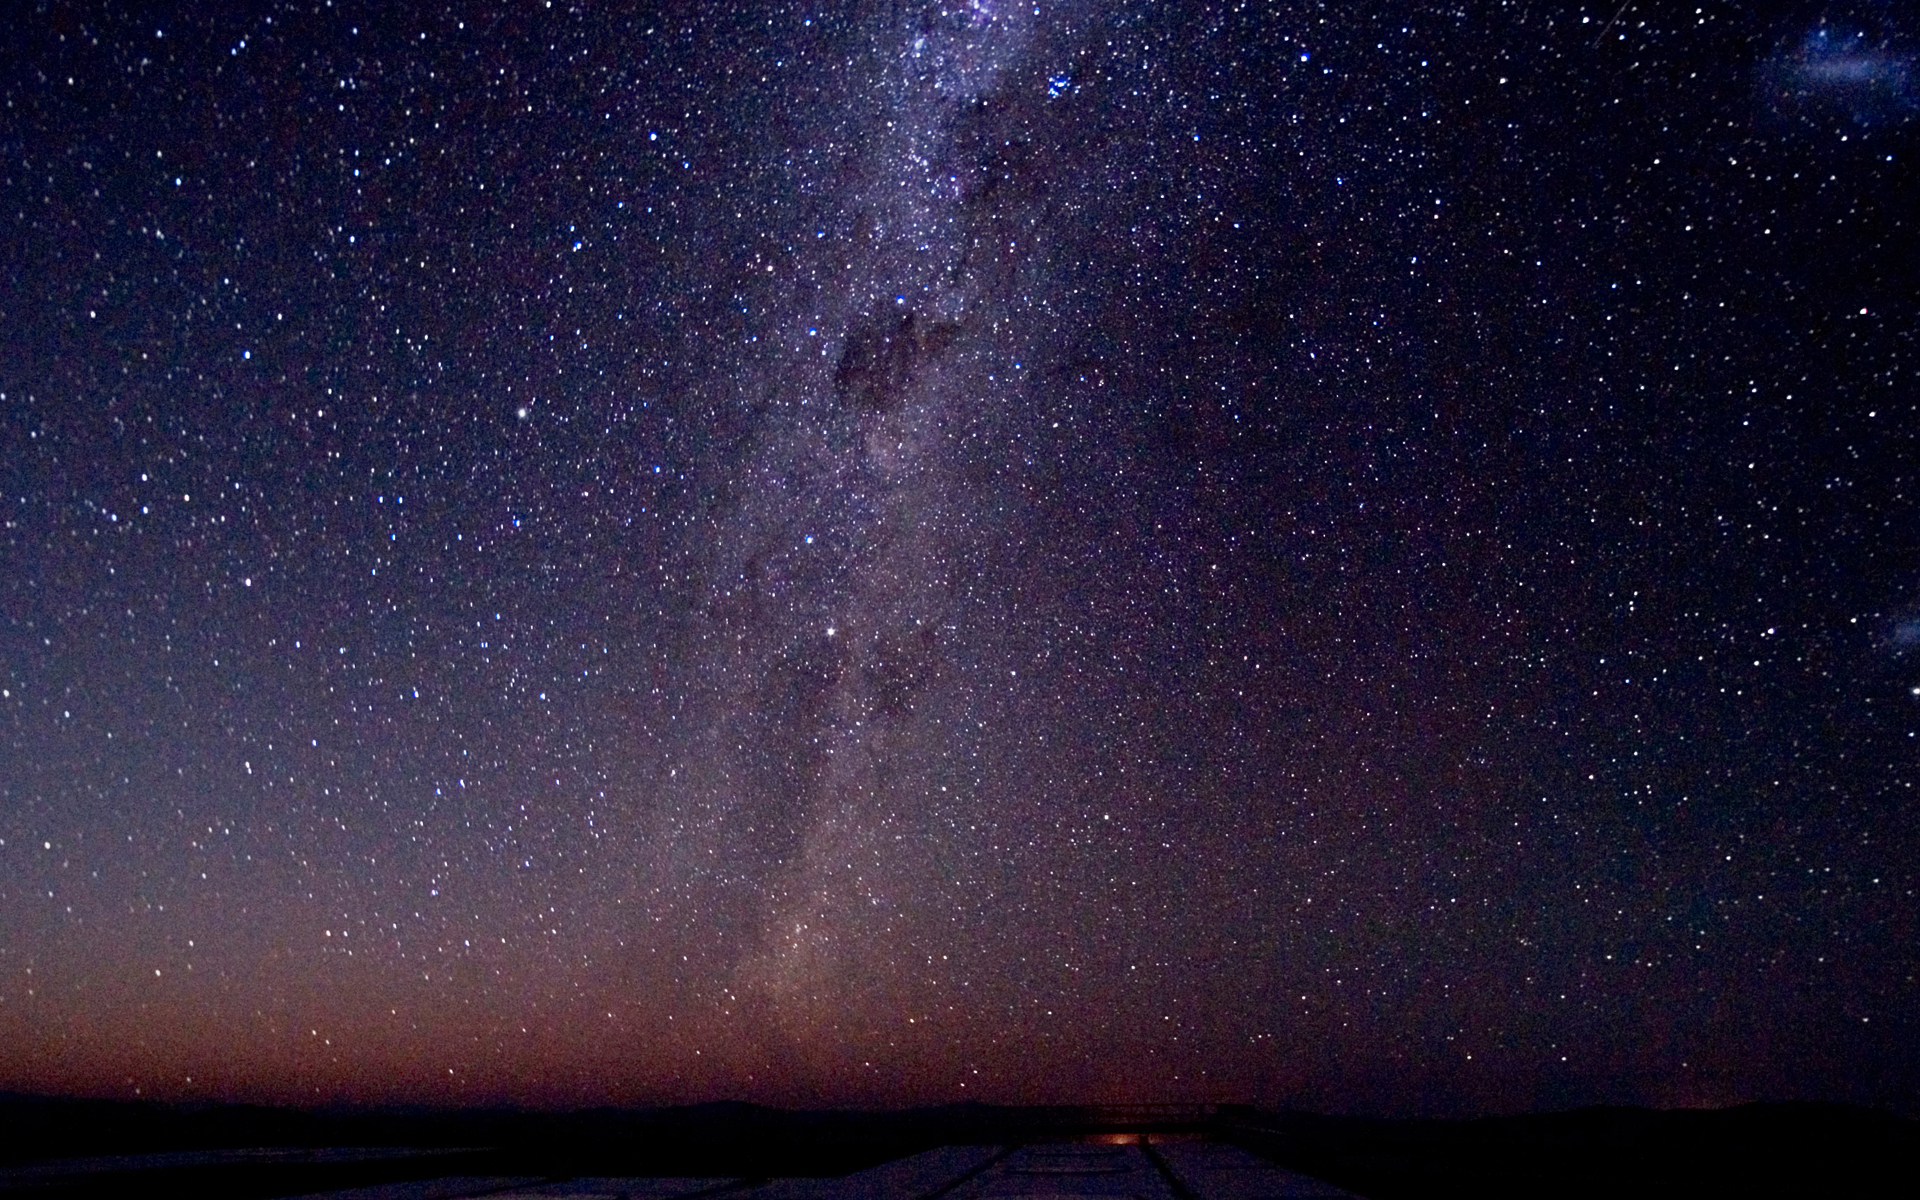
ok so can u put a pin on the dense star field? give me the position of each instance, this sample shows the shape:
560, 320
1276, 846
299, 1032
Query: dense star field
1351, 556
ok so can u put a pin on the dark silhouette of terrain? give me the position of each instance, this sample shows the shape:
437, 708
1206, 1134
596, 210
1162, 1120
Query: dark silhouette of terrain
65, 1149
1753, 1150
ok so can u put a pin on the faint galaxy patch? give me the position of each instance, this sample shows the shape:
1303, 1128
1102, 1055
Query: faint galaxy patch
1861, 73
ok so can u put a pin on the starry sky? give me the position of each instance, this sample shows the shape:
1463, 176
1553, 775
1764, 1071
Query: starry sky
1359, 557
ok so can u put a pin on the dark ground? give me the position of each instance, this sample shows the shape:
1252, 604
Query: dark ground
1752, 1150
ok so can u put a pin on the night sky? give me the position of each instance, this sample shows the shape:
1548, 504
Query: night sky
1356, 556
